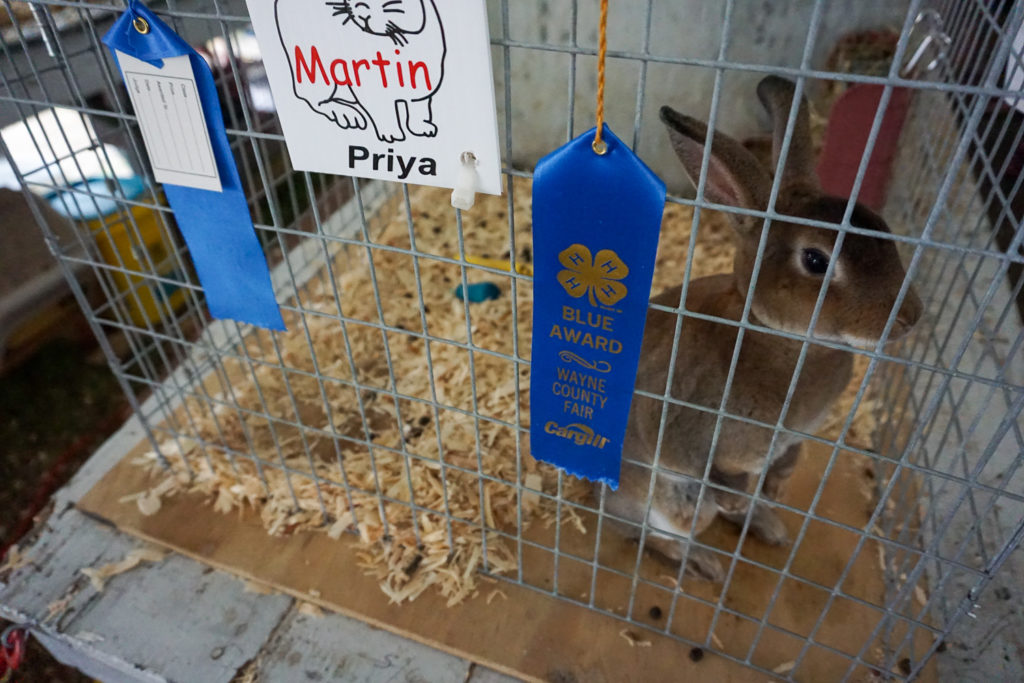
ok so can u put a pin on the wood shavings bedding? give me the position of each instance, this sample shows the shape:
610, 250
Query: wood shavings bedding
632, 639
784, 668
250, 673
363, 429
14, 560
98, 576
310, 610
257, 588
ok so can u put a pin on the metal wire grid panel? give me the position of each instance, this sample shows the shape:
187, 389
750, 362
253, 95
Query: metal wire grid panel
961, 425
948, 511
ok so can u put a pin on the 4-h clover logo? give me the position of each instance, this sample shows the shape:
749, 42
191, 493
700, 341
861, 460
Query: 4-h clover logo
597, 277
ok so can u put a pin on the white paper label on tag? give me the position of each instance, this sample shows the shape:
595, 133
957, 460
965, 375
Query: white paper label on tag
390, 89
170, 114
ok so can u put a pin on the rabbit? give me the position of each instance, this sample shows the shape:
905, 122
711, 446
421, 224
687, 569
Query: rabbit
863, 291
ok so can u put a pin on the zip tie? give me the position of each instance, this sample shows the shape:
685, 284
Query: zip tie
464, 192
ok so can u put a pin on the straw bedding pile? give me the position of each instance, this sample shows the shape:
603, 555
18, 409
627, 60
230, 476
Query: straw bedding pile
373, 426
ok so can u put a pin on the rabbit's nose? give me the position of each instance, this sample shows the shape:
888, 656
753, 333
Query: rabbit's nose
910, 311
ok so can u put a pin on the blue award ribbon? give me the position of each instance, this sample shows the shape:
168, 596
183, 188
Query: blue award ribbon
216, 226
596, 221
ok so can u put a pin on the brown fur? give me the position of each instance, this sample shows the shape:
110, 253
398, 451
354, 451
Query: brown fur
863, 291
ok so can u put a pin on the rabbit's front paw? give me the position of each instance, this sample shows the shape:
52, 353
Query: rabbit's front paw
767, 526
764, 524
703, 564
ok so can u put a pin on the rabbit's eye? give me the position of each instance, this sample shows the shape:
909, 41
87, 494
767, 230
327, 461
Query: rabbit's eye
815, 261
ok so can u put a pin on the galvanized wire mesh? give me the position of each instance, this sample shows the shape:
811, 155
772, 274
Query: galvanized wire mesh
947, 512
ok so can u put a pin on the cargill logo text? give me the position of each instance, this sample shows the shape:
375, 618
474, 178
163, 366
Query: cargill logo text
582, 435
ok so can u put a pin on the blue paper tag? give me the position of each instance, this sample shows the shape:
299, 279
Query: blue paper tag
596, 221
216, 225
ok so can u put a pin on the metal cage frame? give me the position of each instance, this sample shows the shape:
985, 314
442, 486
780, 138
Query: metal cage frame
951, 431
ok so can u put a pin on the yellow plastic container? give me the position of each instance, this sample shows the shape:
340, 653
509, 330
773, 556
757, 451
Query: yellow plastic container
118, 242
136, 247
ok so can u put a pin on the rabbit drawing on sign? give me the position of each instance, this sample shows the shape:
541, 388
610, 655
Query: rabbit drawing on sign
867, 278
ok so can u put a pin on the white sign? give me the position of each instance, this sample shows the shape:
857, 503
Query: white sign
391, 89
170, 115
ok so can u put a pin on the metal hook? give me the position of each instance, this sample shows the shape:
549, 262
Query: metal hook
931, 21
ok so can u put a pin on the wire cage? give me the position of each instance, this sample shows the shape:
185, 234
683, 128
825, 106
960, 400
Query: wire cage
396, 411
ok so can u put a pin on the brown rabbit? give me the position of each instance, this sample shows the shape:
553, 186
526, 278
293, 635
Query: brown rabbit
860, 297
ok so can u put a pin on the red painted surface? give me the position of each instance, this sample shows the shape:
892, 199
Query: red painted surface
846, 136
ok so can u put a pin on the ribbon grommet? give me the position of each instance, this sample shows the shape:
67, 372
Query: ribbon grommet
141, 25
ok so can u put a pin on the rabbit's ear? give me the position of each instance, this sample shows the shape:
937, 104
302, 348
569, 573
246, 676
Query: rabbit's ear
776, 94
735, 177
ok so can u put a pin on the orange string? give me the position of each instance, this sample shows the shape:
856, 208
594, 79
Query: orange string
602, 49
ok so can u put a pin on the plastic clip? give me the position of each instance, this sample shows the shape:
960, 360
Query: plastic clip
464, 192
12, 651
